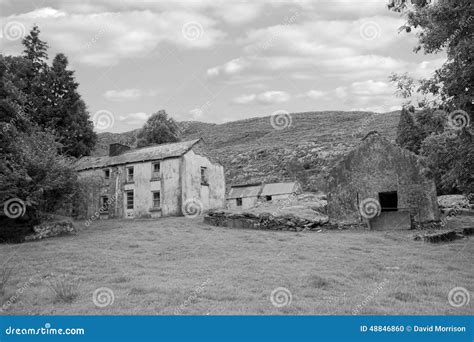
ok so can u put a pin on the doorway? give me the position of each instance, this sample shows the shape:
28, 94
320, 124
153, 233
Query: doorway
388, 201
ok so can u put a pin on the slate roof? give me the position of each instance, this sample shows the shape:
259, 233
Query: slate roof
255, 190
241, 191
279, 188
148, 153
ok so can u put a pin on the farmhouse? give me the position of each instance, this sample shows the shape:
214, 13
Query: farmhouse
160, 180
248, 195
390, 180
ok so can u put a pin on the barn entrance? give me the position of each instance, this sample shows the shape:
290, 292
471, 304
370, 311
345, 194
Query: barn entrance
388, 201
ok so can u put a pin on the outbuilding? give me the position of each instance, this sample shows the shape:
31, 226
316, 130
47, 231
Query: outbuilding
383, 184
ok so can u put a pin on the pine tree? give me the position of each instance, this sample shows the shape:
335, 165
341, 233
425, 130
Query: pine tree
409, 135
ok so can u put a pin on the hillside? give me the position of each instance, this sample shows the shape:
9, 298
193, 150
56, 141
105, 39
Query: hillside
252, 150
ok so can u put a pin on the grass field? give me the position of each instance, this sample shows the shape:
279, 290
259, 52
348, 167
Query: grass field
182, 266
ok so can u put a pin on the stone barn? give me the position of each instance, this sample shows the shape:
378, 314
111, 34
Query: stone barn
161, 180
248, 195
381, 183
279, 191
244, 196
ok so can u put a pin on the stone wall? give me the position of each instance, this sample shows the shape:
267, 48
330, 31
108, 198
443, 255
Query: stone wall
264, 221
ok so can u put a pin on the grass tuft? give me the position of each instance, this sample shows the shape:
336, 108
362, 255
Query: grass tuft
65, 289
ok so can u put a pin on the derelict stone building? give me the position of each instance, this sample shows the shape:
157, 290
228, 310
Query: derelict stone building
393, 176
154, 181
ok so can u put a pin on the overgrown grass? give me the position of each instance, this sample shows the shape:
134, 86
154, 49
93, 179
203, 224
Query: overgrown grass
182, 262
64, 288
5, 274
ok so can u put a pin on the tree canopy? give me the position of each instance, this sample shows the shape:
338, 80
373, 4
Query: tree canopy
159, 129
444, 137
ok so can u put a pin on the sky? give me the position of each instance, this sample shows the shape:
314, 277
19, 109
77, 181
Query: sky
221, 60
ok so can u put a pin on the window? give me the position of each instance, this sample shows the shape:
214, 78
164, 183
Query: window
239, 202
268, 198
129, 199
155, 170
104, 204
204, 176
107, 174
388, 201
130, 174
156, 200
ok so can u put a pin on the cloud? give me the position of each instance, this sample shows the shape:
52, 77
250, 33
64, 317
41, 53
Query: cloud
244, 99
134, 118
265, 98
104, 38
313, 94
131, 94
123, 95
372, 88
196, 113
273, 97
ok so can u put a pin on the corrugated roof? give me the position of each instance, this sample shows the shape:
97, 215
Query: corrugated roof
156, 152
279, 188
244, 191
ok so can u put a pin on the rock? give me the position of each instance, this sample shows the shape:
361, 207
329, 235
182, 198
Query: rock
468, 231
50, 229
453, 201
439, 236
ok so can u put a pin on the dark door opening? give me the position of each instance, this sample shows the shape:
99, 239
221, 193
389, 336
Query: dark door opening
388, 201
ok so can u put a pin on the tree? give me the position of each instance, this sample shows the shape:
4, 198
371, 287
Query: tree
442, 25
65, 111
409, 135
159, 129
450, 156
51, 97
35, 51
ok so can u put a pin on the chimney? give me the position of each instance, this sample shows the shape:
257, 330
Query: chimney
115, 149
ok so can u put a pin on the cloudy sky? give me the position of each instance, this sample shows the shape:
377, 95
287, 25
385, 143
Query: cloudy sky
222, 60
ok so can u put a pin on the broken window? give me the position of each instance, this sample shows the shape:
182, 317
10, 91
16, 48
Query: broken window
239, 202
204, 176
156, 200
129, 199
107, 173
388, 201
130, 174
268, 198
104, 204
155, 171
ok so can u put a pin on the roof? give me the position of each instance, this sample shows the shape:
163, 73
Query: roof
279, 188
242, 191
255, 190
148, 153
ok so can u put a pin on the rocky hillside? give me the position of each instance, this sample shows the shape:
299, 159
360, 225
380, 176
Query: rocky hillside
252, 150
